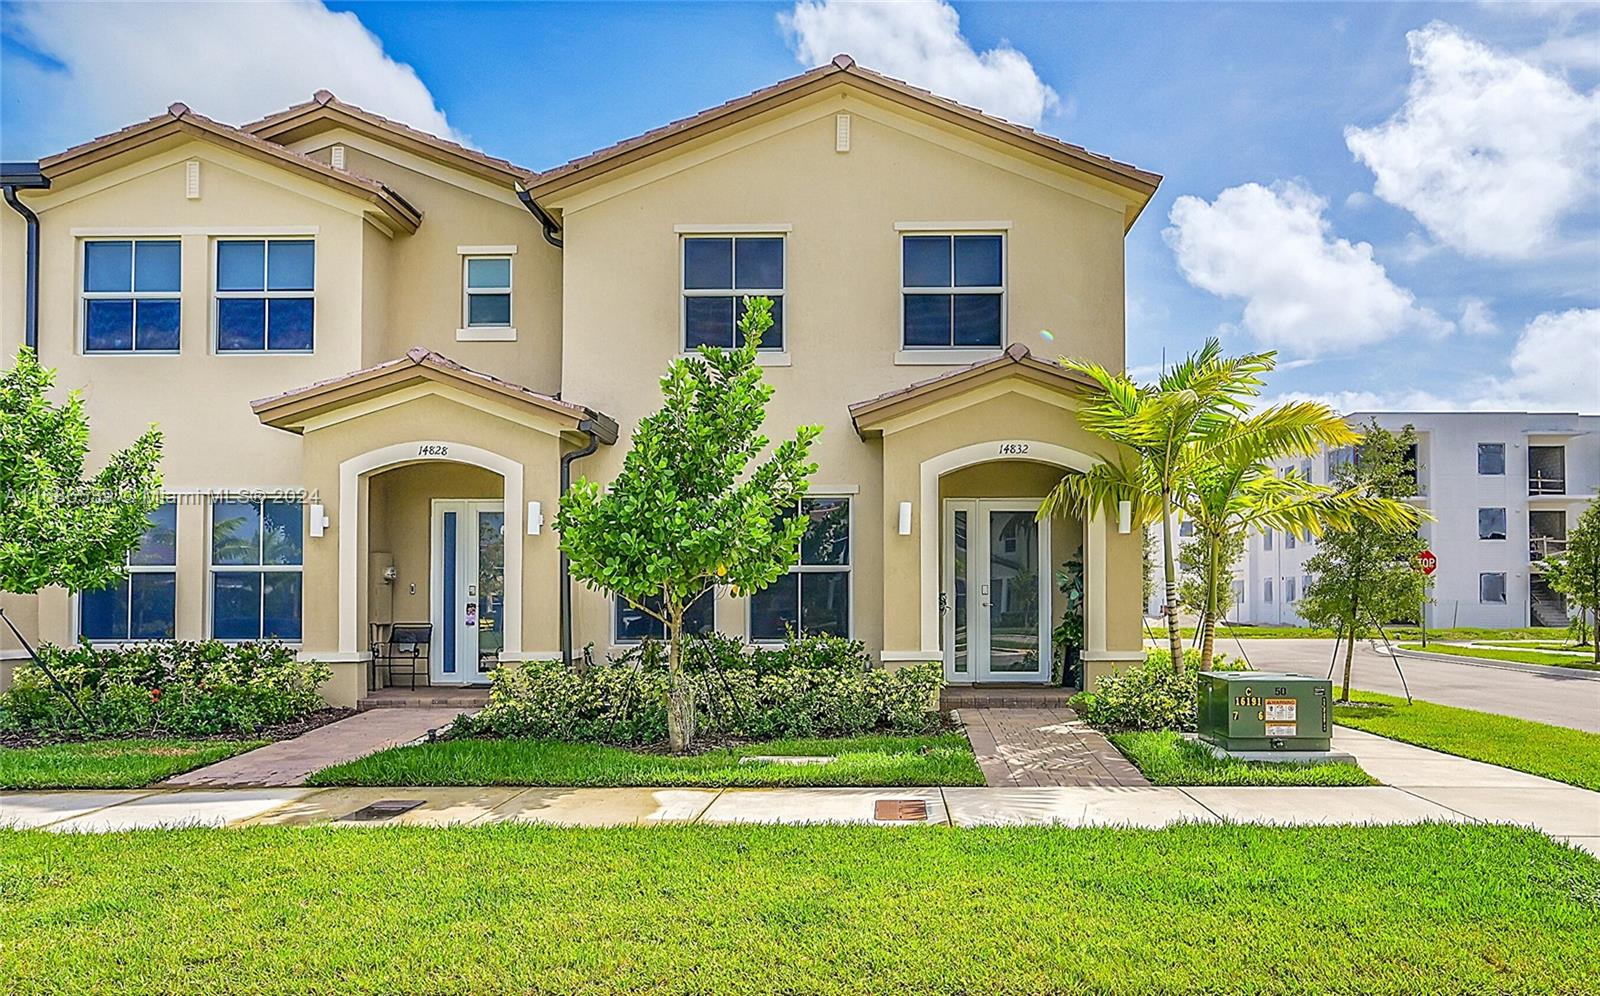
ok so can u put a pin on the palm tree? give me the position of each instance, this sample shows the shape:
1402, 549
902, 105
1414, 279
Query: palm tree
1230, 488
1197, 399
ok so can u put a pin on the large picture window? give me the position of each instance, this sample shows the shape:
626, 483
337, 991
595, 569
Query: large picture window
130, 295
814, 597
256, 554
143, 605
635, 625
952, 291
265, 300
719, 272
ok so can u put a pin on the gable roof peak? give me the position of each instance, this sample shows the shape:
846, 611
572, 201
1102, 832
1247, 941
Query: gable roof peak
177, 108
324, 97
843, 60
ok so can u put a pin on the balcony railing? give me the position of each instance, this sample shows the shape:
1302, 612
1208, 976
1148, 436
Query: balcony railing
1545, 547
1539, 484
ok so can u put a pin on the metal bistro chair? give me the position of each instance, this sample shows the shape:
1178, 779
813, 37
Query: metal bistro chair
404, 653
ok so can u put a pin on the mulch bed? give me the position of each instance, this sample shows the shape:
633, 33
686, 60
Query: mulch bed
281, 731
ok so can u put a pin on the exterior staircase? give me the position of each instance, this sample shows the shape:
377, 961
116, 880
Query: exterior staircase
1003, 697
464, 699
1548, 609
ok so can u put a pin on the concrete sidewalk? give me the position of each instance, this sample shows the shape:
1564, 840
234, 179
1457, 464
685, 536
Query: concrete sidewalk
1423, 785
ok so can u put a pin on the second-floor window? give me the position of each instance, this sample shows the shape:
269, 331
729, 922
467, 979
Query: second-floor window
952, 291
1491, 523
143, 605
488, 292
1492, 459
130, 295
719, 272
265, 295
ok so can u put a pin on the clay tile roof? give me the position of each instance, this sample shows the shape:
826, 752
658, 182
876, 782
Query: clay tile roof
178, 116
1015, 354
1142, 182
324, 104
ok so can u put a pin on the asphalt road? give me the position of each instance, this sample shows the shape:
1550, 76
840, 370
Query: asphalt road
1565, 699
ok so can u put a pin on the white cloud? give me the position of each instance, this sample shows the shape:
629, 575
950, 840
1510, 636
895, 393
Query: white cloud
920, 41
1555, 366
1489, 151
1477, 317
1305, 291
124, 62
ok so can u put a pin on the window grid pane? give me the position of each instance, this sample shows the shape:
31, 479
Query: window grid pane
953, 293
718, 274
263, 299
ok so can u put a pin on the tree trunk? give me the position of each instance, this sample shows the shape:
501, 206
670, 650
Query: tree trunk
1208, 635
1169, 559
680, 694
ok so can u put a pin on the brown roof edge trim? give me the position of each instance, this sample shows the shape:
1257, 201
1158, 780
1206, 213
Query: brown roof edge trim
1015, 355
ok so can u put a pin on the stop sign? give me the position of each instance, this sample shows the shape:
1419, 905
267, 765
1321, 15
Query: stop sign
1427, 562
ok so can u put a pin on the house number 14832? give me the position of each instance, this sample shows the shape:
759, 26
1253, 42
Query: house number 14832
1013, 449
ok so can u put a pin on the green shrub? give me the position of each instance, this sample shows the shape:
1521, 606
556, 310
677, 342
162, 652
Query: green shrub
1146, 696
815, 686
189, 689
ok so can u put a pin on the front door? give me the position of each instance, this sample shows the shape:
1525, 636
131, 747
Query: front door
995, 601
468, 590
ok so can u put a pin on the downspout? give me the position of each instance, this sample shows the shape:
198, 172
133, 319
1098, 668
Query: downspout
548, 222
598, 429
27, 176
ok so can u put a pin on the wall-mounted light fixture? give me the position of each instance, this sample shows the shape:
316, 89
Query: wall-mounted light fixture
319, 520
1124, 516
905, 518
535, 517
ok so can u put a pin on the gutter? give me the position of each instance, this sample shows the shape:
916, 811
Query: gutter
26, 176
550, 228
599, 429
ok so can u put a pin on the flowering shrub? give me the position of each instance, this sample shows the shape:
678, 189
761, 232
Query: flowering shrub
815, 686
193, 689
1146, 696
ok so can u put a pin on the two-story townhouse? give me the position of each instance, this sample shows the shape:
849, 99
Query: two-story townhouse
378, 357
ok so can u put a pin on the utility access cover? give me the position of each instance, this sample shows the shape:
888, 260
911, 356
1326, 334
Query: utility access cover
900, 810
383, 809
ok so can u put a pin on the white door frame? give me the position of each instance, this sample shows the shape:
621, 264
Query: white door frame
467, 510
979, 558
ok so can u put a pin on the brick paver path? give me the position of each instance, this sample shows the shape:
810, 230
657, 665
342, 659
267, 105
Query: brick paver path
288, 762
1049, 746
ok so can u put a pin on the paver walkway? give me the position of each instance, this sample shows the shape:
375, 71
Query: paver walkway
1042, 747
288, 762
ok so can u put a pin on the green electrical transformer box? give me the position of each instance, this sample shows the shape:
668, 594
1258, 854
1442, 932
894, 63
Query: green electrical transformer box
1257, 710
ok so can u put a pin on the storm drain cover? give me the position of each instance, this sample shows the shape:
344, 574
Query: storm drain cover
900, 810
383, 809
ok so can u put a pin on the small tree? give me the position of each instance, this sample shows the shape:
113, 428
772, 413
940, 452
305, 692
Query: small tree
1195, 592
1577, 572
56, 526
687, 512
1368, 571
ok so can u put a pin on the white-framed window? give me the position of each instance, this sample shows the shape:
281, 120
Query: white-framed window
257, 551
631, 624
1491, 523
814, 597
486, 292
130, 294
1492, 459
1266, 541
143, 605
1186, 528
719, 272
1266, 590
1306, 469
1288, 589
264, 299
952, 290
1288, 541
1492, 588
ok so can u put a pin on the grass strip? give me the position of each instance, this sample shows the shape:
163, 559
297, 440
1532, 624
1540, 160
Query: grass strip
944, 759
1506, 654
111, 763
1167, 758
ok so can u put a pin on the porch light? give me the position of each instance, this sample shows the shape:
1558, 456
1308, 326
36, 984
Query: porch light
1124, 516
319, 520
535, 518
905, 518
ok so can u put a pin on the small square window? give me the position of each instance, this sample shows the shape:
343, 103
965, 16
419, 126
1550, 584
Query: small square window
1492, 459
264, 295
1492, 588
953, 291
1491, 523
130, 295
719, 272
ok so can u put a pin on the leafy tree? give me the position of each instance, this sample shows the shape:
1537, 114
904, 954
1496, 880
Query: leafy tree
58, 527
1576, 574
1194, 563
1156, 423
1364, 571
688, 512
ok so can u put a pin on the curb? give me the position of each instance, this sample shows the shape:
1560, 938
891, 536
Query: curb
1549, 670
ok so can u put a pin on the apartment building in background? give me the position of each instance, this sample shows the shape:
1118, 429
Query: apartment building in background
377, 356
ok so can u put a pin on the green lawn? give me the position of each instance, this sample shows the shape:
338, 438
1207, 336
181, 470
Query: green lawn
1504, 654
1571, 648
1395, 633
945, 759
826, 910
1166, 758
111, 763
1557, 752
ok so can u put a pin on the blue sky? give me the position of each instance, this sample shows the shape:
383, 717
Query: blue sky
1480, 124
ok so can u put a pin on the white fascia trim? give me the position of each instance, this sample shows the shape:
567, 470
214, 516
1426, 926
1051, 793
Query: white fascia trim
494, 334
326, 657
1112, 655
956, 227
486, 250
907, 656
732, 229
225, 231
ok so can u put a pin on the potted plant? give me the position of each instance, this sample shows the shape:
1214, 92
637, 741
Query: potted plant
1068, 635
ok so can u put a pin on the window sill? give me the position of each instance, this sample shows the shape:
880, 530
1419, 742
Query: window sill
490, 334
945, 357
773, 358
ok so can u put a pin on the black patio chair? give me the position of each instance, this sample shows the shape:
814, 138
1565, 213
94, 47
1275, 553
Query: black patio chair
403, 654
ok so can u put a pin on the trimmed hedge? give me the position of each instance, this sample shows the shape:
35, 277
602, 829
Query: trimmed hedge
182, 688
1149, 695
815, 686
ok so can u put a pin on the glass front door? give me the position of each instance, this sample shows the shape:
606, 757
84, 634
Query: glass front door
995, 600
468, 590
